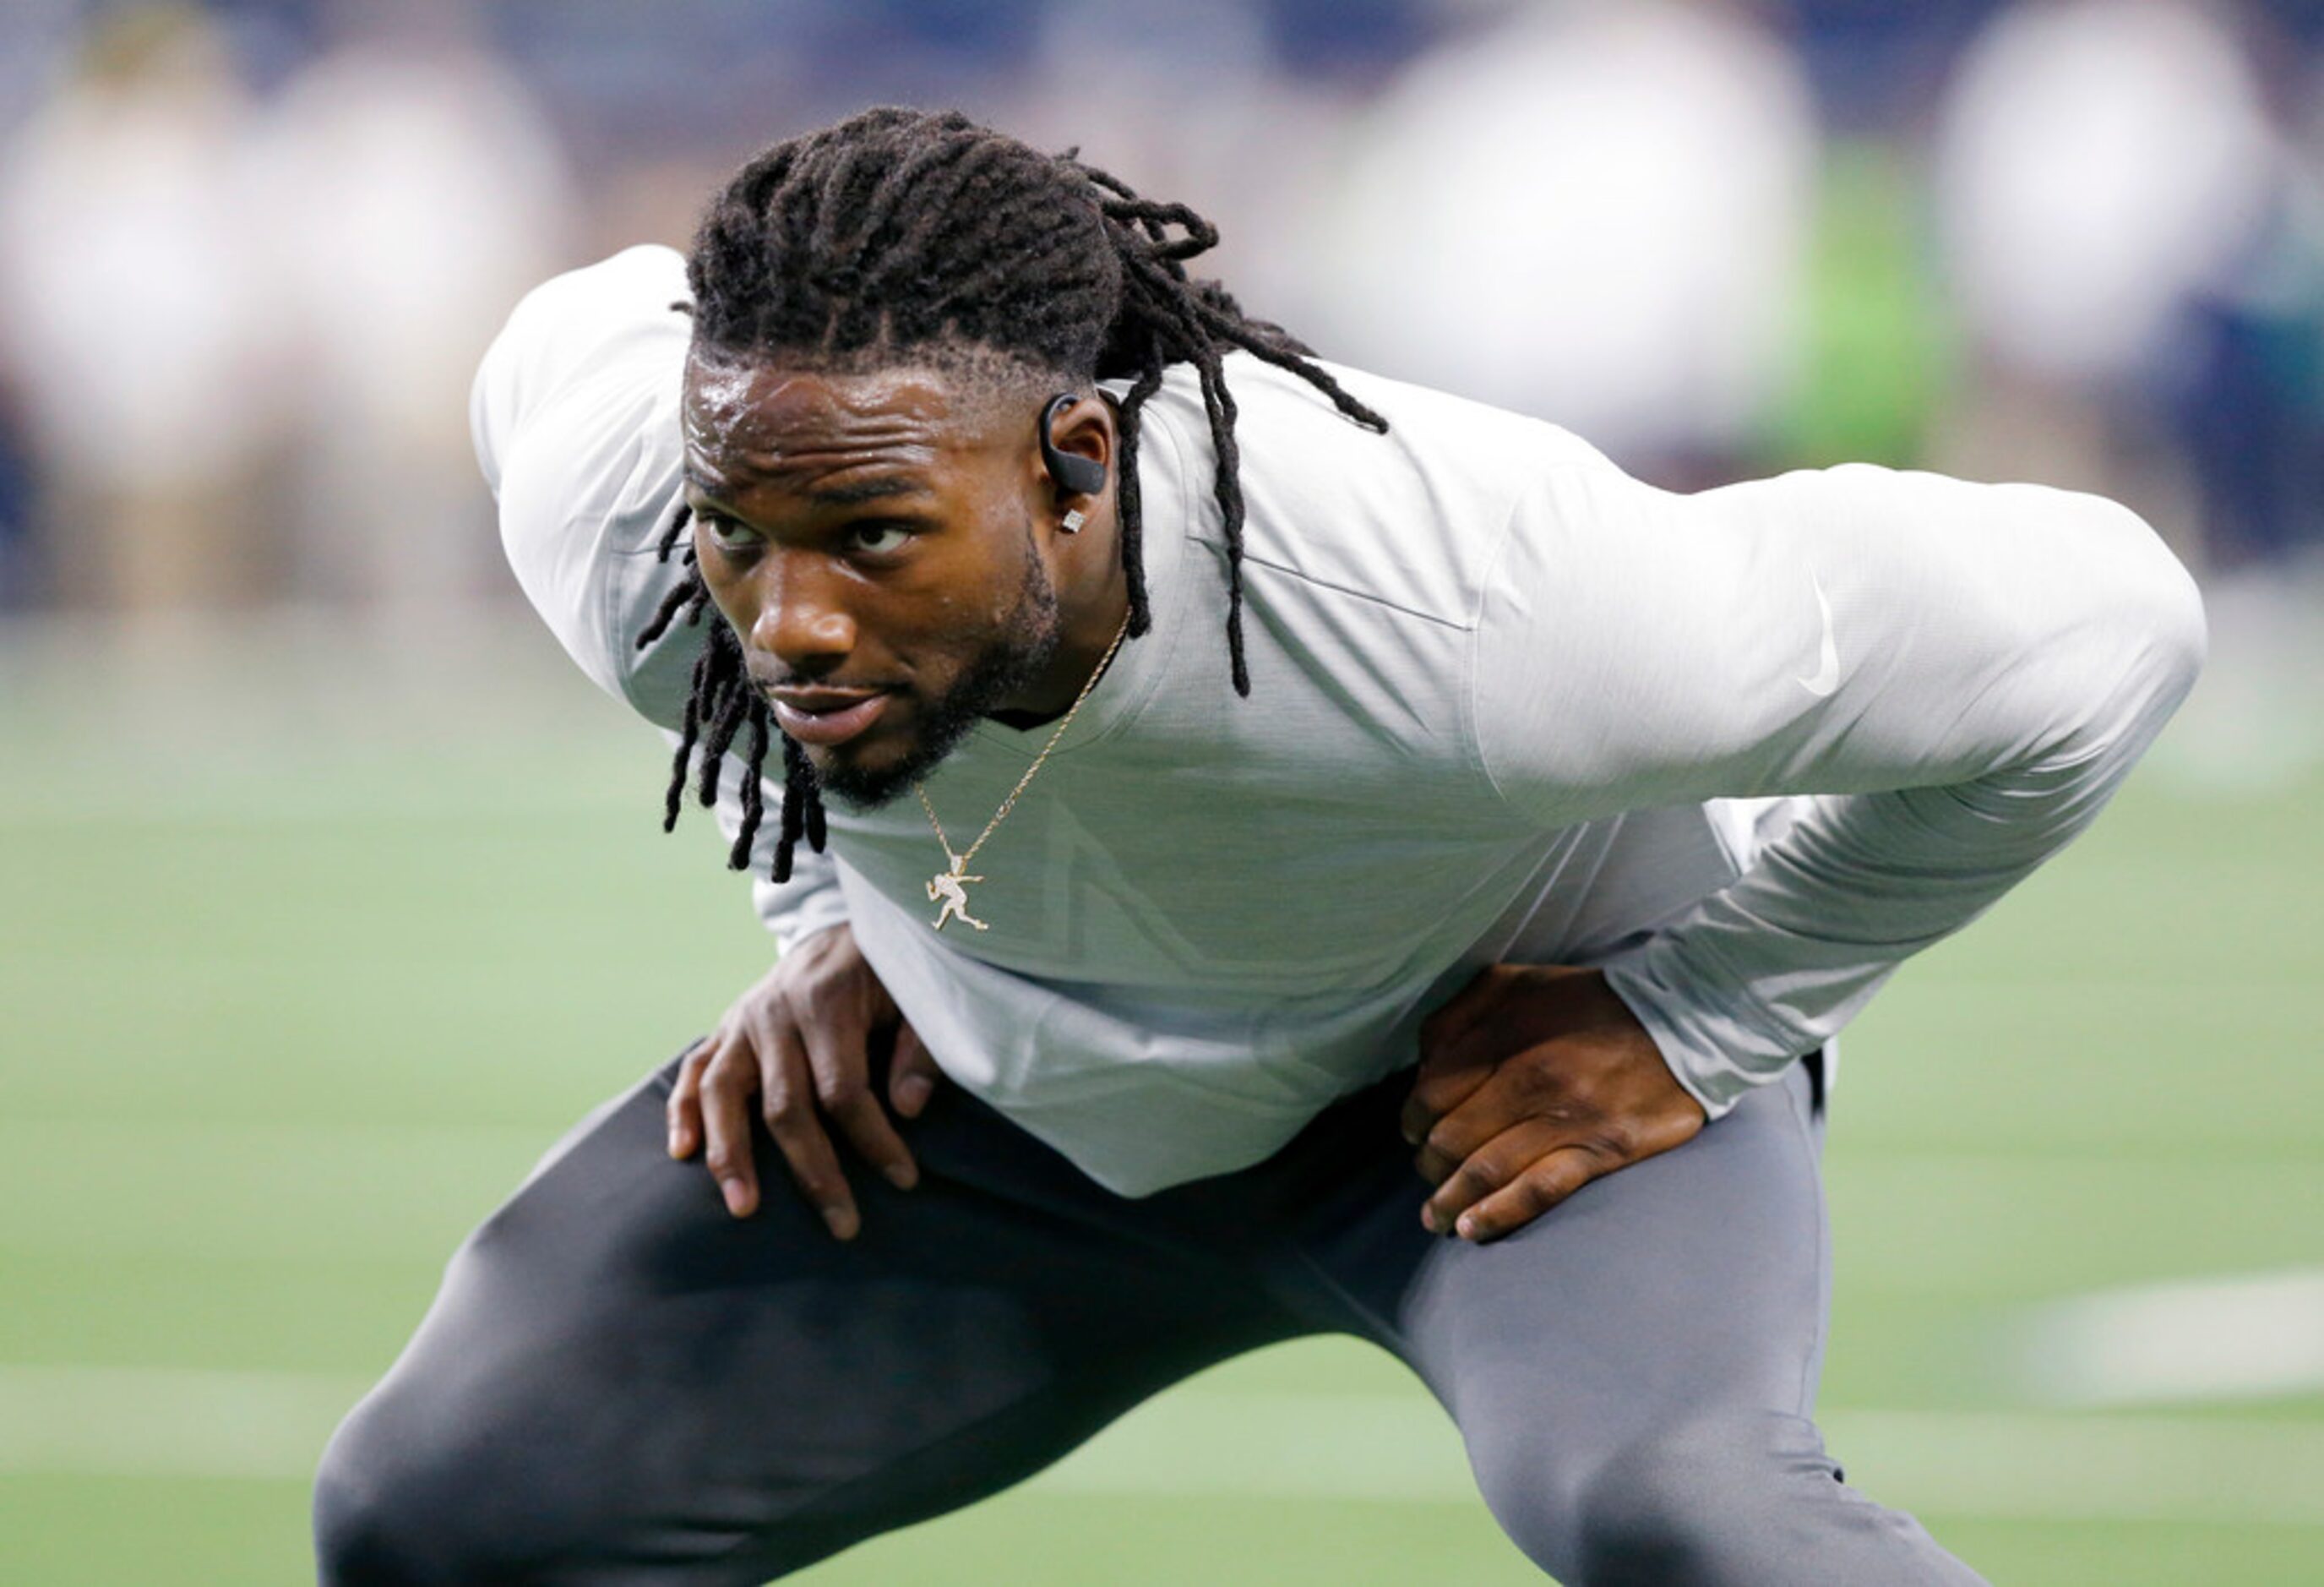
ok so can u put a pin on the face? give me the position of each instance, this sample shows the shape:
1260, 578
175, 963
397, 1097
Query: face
871, 540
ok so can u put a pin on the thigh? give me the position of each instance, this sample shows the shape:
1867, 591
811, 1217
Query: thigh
1634, 1373
1703, 1271
1696, 1277
620, 1382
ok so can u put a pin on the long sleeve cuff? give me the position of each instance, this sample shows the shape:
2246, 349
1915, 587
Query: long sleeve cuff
1778, 963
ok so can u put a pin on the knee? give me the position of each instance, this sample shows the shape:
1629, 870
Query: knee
360, 1531
1660, 1509
1685, 1504
391, 1511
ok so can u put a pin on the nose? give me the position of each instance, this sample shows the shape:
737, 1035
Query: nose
803, 617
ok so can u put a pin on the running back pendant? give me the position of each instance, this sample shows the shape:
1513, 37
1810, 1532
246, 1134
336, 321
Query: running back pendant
952, 887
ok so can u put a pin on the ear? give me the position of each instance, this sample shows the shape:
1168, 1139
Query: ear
1076, 442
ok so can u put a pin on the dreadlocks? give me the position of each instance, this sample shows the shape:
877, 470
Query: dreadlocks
903, 232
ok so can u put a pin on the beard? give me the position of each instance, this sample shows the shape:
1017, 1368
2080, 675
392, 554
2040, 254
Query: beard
1009, 663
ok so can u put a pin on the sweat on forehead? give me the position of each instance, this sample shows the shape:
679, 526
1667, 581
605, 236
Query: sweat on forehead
751, 422
979, 381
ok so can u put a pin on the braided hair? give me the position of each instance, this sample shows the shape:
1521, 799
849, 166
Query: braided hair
903, 232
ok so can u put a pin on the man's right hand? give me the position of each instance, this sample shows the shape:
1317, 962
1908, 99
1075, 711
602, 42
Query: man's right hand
798, 1045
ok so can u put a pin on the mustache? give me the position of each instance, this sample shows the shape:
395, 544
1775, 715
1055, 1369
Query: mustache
767, 681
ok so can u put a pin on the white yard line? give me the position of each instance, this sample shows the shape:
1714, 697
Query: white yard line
2243, 1337
163, 1422
2028, 1466
149, 1422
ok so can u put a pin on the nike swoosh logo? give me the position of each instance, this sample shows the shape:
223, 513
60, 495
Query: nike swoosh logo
1827, 672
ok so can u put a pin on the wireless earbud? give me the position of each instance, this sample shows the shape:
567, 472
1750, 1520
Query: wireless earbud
1083, 476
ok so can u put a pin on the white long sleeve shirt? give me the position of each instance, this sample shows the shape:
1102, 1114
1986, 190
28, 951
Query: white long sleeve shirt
1749, 749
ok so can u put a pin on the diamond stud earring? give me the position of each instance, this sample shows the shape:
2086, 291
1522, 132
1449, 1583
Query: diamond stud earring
1073, 521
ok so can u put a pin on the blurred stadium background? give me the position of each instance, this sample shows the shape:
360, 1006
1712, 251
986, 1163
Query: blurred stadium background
332, 894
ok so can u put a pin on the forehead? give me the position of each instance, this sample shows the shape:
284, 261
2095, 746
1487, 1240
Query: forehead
749, 421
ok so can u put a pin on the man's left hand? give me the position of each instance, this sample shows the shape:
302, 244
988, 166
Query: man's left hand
1534, 1080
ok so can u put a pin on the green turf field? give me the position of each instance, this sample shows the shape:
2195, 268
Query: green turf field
307, 950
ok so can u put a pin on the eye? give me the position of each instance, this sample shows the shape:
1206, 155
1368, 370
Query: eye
879, 539
728, 534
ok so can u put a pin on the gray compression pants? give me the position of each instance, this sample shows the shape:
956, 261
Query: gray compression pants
620, 1384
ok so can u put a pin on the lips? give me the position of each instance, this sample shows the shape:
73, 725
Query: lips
828, 716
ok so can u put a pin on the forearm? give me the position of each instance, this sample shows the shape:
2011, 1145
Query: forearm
2003, 657
1778, 963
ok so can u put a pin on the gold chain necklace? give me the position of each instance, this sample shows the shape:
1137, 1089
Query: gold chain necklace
951, 886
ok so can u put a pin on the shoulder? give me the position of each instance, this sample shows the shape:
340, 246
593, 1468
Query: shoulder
587, 326
574, 415
1411, 518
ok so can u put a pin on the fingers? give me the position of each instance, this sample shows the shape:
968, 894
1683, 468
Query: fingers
1442, 1085
1534, 1080
1492, 1164
1533, 1191
837, 1057
684, 1109
1451, 1067
792, 1054
1438, 1090
1495, 1101
1497, 1163
912, 1073
728, 1080
788, 1104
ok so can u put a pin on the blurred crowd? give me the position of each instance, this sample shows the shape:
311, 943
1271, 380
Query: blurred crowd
250, 251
